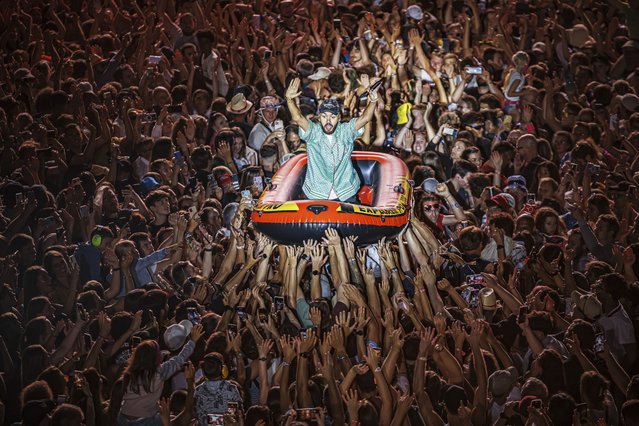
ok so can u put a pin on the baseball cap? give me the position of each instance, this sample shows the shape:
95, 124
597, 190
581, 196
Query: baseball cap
517, 181
501, 382
502, 200
330, 105
430, 185
320, 74
147, 184
415, 12
587, 303
175, 335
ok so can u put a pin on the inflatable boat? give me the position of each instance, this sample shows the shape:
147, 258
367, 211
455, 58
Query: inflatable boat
283, 214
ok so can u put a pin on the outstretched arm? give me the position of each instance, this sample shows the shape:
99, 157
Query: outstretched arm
367, 116
292, 93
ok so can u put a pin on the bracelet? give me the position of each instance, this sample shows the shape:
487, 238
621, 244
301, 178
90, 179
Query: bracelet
305, 354
208, 250
500, 246
115, 269
422, 290
240, 247
315, 272
394, 270
341, 357
423, 358
359, 332
263, 358
285, 364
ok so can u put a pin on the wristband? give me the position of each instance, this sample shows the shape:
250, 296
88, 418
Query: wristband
285, 364
341, 357
208, 250
315, 272
263, 358
305, 354
306, 257
359, 332
115, 269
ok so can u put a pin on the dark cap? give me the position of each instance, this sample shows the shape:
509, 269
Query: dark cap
330, 105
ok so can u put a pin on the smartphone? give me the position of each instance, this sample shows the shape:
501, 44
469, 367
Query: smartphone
582, 409
236, 182
531, 198
193, 315
179, 158
303, 333
449, 131
215, 419
232, 410
278, 124
241, 313
87, 341
258, 182
337, 21
600, 340
49, 221
44, 152
376, 84
474, 70
192, 211
508, 120
536, 403
246, 195
77, 376
84, 212
232, 330
135, 341
174, 109
523, 312
593, 168
278, 301
154, 59
474, 279
574, 167
474, 298
305, 413
267, 55
150, 117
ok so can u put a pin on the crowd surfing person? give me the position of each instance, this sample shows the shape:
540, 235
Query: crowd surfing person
136, 292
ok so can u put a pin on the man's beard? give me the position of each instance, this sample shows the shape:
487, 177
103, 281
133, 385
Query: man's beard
327, 132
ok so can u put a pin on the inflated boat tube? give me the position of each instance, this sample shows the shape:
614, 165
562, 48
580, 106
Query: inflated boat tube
285, 216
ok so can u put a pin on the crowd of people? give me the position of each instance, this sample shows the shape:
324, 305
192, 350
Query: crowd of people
138, 135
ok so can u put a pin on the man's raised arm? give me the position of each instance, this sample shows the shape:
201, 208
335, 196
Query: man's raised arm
292, 92
368, 113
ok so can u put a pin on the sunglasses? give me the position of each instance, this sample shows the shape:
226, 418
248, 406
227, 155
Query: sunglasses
429, 207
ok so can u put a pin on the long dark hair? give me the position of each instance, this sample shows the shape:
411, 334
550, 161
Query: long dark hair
142, 367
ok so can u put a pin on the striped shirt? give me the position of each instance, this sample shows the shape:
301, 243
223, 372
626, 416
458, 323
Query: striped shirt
329, 161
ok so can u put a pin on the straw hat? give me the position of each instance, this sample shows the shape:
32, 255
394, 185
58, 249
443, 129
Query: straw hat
239, 104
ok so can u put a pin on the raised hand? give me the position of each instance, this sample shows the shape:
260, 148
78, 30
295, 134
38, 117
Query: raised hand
293, 90
287, 343
197, 332
264, 348
332, 238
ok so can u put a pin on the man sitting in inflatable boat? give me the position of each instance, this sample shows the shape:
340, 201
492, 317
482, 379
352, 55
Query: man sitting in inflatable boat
330, 174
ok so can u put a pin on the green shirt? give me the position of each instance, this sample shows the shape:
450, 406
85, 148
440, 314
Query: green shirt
329, 161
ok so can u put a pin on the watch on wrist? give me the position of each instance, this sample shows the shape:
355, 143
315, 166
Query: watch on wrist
315, 272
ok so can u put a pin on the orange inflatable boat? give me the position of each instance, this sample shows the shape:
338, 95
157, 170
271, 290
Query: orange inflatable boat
283, 214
